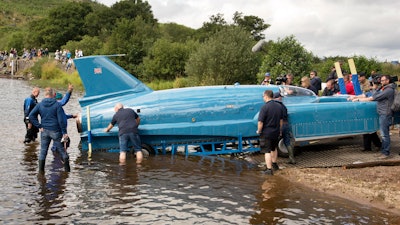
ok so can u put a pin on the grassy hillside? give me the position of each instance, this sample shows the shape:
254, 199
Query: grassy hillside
14, 14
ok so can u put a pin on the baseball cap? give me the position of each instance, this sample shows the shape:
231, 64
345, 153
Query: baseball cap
59, 96
267, 74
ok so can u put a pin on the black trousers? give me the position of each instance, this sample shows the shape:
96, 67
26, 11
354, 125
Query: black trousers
371, 138
31, 134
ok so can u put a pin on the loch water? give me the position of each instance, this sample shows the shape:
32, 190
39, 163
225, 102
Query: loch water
165, 189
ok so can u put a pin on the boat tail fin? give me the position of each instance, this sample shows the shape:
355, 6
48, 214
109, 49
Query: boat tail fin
101, 78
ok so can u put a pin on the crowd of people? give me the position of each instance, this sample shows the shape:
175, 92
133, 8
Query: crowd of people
379, 88
65, 57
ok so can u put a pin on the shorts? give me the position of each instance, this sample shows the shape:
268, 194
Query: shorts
267, 145
129, 138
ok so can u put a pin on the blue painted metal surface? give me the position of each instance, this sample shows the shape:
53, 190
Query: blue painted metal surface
209, 115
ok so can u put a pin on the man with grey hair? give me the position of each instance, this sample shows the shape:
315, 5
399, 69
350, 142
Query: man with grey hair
128, 121
52, 126
29, 104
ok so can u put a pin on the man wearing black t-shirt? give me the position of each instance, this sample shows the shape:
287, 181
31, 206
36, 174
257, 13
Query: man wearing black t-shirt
270, 120
128, 121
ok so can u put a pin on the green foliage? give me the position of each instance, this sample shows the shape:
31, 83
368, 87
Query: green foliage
133, 38
216, 23
165, 61
61, 81
36, 69
390, 69
363, 64
50, 70
63, 24
181, 82
100, 22
16, 40
324, 67
286, 56
132, 9
252, 24
175, 32
91, 45
225, 58
160, 85
366, 65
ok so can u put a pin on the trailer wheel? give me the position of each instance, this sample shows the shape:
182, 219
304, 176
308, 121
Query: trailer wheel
282, 150
147, 150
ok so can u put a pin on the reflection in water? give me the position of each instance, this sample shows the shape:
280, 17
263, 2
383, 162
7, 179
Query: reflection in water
31, 156
51, 190
164, 190
281, 202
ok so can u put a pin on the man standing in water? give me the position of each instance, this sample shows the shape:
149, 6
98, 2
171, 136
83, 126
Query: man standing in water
52, 127
128, 121
29, 104
270, 120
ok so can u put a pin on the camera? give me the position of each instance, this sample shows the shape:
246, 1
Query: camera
376, 78
281, 79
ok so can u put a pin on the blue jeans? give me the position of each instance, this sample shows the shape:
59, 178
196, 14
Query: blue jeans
45, 138
124, 142
385, 122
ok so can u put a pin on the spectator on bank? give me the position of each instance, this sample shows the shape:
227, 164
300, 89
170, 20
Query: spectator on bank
348, 84
329, 90
267, 79
315, 80
305, 83
289, 79
364, 82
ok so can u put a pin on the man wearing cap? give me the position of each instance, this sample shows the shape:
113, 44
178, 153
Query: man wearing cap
267, 79
364, 82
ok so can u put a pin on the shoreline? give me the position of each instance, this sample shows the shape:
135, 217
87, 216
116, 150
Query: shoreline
377, 187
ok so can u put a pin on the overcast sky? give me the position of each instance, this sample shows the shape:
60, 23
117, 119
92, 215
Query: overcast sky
324, 27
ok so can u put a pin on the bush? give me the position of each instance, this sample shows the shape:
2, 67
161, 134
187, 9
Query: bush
36, 69
51, 71
181, 82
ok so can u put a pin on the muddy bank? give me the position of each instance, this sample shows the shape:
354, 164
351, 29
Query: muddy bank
373, 186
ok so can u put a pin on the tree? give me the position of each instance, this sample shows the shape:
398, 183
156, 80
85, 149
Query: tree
175, 32
216, 23
253, 24
16, 40
133, 38
63, 24
286, 56
225, 58
131, 9
165, 61
89, 45
100, 22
